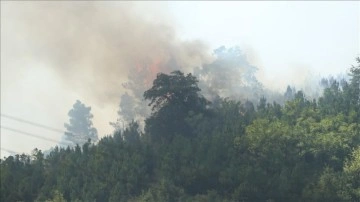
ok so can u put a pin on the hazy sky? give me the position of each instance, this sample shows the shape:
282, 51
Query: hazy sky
287, 41
282, 36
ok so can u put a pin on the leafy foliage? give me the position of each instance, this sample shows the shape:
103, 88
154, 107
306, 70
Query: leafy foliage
194, 150
172, 98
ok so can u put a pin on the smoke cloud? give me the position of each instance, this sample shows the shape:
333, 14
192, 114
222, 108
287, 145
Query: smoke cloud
111, 52
94, 46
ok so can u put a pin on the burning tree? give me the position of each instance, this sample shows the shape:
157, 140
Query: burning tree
229, 75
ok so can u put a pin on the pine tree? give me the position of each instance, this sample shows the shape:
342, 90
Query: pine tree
80, 127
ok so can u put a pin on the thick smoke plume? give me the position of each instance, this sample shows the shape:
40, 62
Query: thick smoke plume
112, 51
107, 51
229, 75
96, 46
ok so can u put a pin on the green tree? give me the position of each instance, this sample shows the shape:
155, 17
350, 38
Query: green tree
355, 89
57, 197
352, 175
172, 97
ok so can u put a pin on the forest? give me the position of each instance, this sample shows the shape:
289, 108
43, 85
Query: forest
194, 149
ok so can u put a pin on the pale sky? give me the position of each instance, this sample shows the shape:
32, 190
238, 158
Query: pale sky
287, 41
322, 36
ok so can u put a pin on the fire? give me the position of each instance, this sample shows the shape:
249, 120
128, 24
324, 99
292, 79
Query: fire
146, 71
154, 68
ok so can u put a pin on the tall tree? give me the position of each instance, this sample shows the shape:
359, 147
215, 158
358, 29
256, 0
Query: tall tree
80, 127
355, 88
290, 93
172, 98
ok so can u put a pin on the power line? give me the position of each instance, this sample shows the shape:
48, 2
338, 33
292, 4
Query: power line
35, 124
8, 150
32, 123
30, 134
62, 143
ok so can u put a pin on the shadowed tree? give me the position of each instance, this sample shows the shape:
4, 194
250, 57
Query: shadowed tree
172, 97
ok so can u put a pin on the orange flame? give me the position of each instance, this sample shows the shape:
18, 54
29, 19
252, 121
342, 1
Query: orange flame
148, 71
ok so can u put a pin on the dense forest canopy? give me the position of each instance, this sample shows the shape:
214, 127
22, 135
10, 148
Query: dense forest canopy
196, 150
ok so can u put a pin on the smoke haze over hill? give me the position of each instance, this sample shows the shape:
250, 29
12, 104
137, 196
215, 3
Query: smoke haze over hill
54, 53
